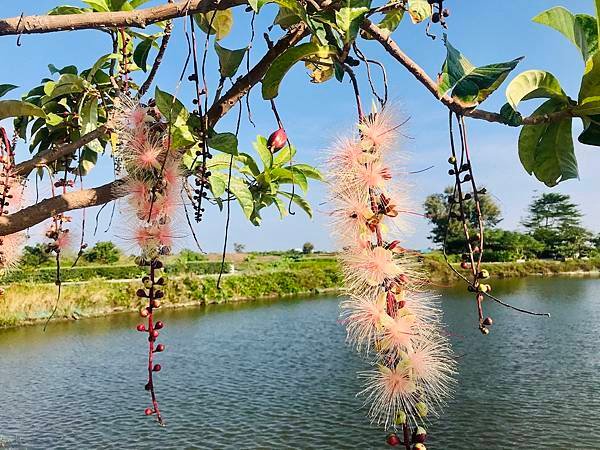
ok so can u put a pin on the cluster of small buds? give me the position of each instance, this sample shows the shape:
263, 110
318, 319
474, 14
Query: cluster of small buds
151, 295
439, 14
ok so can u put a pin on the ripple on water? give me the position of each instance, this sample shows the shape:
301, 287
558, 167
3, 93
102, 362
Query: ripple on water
277, 375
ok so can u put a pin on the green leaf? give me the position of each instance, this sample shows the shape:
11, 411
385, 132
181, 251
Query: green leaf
257, 4
546, 150
98, 5
87, 161
419, 10
284, 155
229, 60
66, 84
65, 9
481, 82
224, 142
89, 122
135, 3
120, 5
284, 62
260, 145
455, 67
218, 183
65, 70
391, 21
287, 175
243, 195
6, 88
181, 136
301, 202
171, 108
99, 64
349, 17
18, 108
581, 29
249, 163
281, 206
218, 22
140, 55
513, 118
52, 120
534, 84
309, 171
286, 18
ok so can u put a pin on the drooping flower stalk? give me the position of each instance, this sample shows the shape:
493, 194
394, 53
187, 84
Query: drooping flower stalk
153, 185
388, 313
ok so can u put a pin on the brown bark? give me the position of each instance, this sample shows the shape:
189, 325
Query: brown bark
49, 207
140, 18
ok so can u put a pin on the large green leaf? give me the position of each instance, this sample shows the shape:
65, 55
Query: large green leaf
257, 4
99, 64
284, 62
481, 82
546, 150
284, 156
229, 60
18, 108
260, 145
66, 9
66, 84
218, 22
455, 67
349, 17
170, 107
98, 5
248, 164
419, 10
309, 171
243, 195
301, 202
87, 161
89, 122
580, 29
589, 101
534, 84
290, 175
6, 88
218, 183
224, 142
140, 55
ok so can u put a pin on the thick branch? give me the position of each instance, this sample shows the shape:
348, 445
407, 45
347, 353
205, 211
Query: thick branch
41, 211
23, 169
454, 105
140, 18
161, 52
245, 83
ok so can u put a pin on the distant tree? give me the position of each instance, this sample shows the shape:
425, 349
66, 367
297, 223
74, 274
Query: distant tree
103, 253
307, 248
502, 245
436, 208
555, 221
239, 248
34, 256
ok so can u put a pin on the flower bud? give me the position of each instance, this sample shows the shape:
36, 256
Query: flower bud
277, 140
160, 348
393, 439
144, 312
148, 411
488, 321
141, 293
141, 327
156, 368
158, 325
422, 409
400, 418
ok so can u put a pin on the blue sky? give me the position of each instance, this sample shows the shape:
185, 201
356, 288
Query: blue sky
485, 32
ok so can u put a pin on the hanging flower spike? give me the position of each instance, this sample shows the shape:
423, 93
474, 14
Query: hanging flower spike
153, 185
387, 314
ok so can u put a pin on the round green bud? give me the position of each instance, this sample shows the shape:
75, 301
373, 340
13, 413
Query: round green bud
400, 418
422, 409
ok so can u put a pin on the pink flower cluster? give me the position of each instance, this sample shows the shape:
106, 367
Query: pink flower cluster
153, 181
388, 314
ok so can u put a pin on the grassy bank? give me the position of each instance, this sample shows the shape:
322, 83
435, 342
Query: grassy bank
26, 302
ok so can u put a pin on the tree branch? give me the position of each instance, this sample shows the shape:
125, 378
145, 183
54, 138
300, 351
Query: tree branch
23, 169
161, 52
452, 104
140, 18
49, 207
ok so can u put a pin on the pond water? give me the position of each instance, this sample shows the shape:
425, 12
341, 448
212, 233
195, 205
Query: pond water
277, 374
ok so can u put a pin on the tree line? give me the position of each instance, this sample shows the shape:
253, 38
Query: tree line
552, 229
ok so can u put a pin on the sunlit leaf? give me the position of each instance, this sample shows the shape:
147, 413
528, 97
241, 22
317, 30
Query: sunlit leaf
260, 145
455, 67
66, 9
229, 60
6, 88
284, 62
534, 84
419, 10
349, 17
140, 55
301, 202
546, 150
18, 108
170, 107
217, 22
243, 195
224, 142
309, 171
98, 5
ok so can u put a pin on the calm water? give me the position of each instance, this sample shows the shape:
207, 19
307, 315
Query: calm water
277, 375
